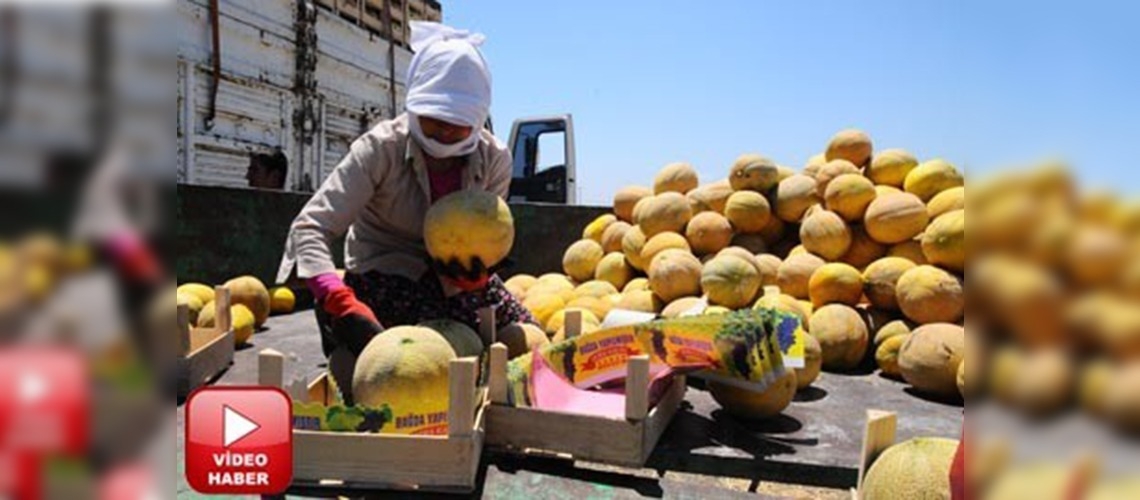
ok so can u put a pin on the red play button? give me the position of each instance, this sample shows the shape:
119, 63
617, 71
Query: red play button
239, 440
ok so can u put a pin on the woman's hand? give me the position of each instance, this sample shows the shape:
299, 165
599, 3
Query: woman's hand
353, 322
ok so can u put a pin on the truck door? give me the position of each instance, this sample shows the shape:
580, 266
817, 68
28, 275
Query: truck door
543, 154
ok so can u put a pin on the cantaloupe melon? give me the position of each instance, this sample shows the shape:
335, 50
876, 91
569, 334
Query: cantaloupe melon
849, 195
1122, 399
753, 242
405, 367
929, 358
519, 284
892, 329
193, 304
614, 268
947, 201
521, 338
880, 278
677, 177
469, 224
887, 356
243, 322
813, 164
716, 310
631, 245
944, 242
640, 300
613, 235
768, 266
813, 363
927, 294
250, 292
730, 282
824, 233
636, 284
559, 319
794, 274
784, 173
852, 145
748, 211
710, 197
830, 171
1044, 382
203, 292
932, 177
662, 242
1095, 377
626, 198
461, 337
600, 306
794, 196
597, 227
741, 252
788, 304
1005, 368
842, 334
909, 250
918, 469
835, 283
890, 167
881, 190
595, 288
674, 274
543, 306
754, 173
282, 300
666, 212
708, 232
581, 258
962, 388
864, 249
749, 405
1096, 255
895, 218
679, 306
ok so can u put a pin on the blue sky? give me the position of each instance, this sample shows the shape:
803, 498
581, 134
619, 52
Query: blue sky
984, 86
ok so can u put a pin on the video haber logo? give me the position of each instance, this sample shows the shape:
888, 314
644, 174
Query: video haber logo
239, 440
43, 400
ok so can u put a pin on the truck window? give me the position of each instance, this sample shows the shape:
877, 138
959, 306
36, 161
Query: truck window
547, 136
551, 151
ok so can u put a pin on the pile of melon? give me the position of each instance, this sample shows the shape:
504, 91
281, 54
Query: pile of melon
866, 247
251, 303
1056, 307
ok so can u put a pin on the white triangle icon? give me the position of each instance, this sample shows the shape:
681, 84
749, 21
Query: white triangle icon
235, 426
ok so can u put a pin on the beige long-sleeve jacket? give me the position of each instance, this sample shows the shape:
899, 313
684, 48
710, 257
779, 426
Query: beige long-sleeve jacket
379, 194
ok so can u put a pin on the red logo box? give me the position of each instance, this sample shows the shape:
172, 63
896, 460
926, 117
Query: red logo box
239, 440
44, 400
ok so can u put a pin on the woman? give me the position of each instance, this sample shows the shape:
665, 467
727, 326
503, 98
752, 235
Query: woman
380, 192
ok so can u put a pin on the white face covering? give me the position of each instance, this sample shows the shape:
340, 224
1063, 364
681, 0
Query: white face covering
447, 80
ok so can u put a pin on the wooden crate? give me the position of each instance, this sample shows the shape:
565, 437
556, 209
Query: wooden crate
878, 435
204, 353
626, 442
369, 461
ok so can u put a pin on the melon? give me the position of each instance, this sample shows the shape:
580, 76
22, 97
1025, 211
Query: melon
666, 212
794, 274
947, 201
558, 278
885, 190
741, 252
813, 164
798, 250
462, 338
1044, 382
631, 245
768, 266
521, 338
842, 334
892, 329
636, 284
716, 311
962, 378
909, 250
560, 335
680, 306
824, 233
660, 243
753, 242
794, 196
613, 268
830, 171
597, 227
708, 232
251, 292
748, 211
558, 320
676, 178
880, 279
674, 274
206, 315
890, 167
581, 258
405, 367
468, 225
930, 356
932, 177
788, 304
1122, 398
600, 306
851, 145
640, 300
915, 469
282, 300
595, 288
887, 356
519, 284
243, 322
849, 195
753, 172
944, 242
730, 282
895, 218
193, 305
710, 197
835, 283
1096, 255
203, 292
752, 405
927, 294
813, 363
543, 306
1093, 385
626, 198
613, 235
864, 249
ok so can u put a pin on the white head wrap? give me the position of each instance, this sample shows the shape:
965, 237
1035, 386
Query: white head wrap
447, 80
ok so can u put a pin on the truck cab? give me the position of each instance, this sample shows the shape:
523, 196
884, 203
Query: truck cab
542, 149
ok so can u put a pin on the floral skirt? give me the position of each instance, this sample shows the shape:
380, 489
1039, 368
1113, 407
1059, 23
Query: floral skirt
397, 301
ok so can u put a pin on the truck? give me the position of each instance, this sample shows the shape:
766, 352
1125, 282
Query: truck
305, 78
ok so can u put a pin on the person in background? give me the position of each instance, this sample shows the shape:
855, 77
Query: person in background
267, 171
379, 195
